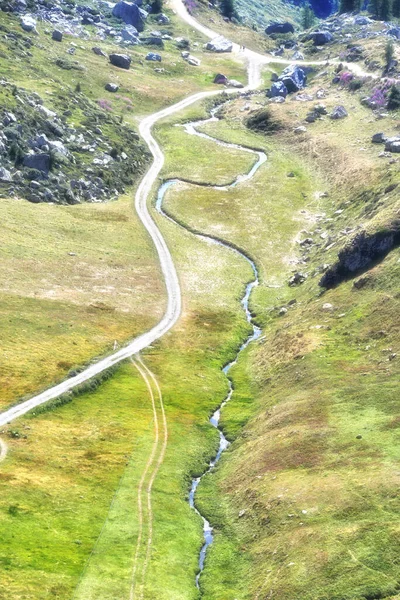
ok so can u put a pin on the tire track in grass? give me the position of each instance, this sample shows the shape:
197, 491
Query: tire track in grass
139, 364
153, 477
3, 450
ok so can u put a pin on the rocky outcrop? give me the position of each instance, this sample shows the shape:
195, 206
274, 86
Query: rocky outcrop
361, 253
279, 28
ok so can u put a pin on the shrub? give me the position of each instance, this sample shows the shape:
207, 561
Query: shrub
355, 84
263, 120
394, 98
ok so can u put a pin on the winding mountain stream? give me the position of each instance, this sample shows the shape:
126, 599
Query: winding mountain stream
191, 129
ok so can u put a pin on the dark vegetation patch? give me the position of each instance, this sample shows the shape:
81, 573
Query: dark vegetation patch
263, 121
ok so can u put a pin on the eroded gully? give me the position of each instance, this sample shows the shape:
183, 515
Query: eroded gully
191, 129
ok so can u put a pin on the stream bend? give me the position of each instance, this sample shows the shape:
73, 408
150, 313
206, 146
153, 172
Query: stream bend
191, 129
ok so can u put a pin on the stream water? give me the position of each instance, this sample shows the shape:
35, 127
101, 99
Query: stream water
191, 129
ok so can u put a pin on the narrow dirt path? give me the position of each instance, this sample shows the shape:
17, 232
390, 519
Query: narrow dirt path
174, 301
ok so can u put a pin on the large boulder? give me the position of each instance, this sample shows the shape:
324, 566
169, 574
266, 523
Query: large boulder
294, 78
219, 44
111, 87
123, 61
279, 28
57, 35
394, 32
130, 14
221, 79
320, 38
28, 23
40, 162
278, 89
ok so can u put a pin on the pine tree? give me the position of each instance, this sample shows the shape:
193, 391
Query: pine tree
228, 8
396, 9
346, 6
386, 10
389, 52
308, 16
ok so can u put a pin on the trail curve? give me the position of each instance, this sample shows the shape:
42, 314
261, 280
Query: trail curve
173, 291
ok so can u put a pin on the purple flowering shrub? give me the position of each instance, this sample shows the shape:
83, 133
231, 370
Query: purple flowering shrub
104, 104
190, 6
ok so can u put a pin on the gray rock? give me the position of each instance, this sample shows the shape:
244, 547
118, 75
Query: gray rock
392, 145
298, 55
193, 61
379, 138
130, 14
154, 57
40, 141
123, 61
163, 19
28, 23
297, 279
394, 32
112, 87
9, 118
182, 43
153, 40
235, 84
98, 51
130, 34
294, 78
5, 175
360, 20
57, 36
40, 162
58, 148
219, 44
278, 88
339, 112
320, 38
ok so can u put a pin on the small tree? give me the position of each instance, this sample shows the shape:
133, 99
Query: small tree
394, 98
308, 16
389, 52
228, 8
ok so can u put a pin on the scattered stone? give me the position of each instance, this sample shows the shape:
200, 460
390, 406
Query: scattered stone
358, 437
154, 57
98, 51
320, 38
379, 138
327, 307
112, 87
182, 43
130, 34
339, 112
57, 36
235, 84
300, 129
297, 279
5, 176
219, 44
282, 311
392, 144
123, 61
40, 162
